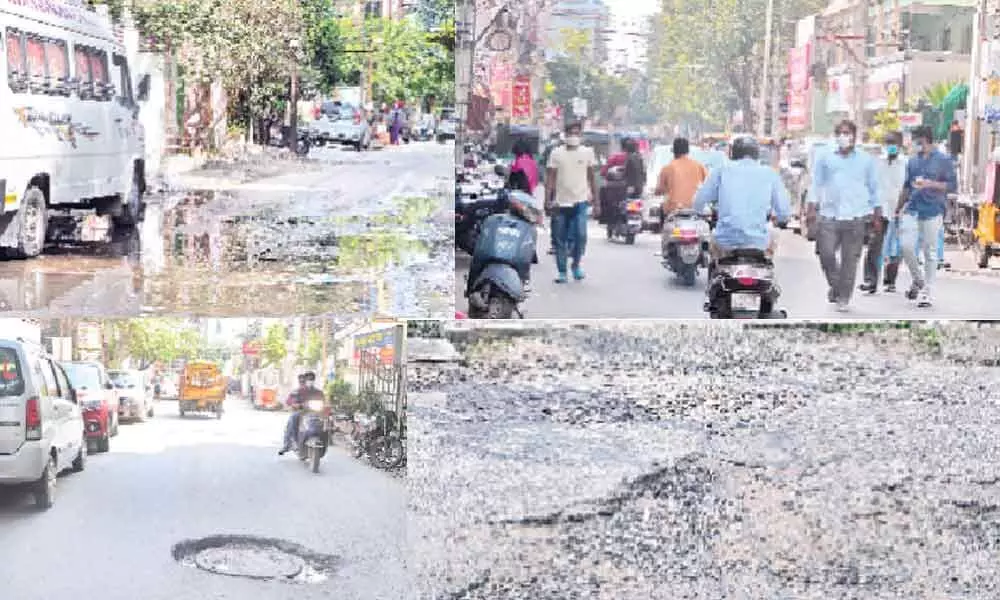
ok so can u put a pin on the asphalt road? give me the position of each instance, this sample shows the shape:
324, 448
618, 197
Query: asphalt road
630, 282
111, 531
339, 232
643, 461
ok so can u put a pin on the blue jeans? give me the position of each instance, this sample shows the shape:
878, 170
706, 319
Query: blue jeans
569, 227
292, 430
892, 251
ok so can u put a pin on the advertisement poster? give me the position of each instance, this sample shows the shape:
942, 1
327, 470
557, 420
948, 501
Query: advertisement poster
379, 343
521, 98
798, 88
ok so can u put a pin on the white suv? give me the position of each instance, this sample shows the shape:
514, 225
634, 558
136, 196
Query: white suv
41, 426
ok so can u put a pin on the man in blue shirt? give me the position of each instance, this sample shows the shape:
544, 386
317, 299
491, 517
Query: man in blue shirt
847, 203
930, 177
744, 193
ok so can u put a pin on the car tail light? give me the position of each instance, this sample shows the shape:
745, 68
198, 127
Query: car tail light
746, 281
32, 420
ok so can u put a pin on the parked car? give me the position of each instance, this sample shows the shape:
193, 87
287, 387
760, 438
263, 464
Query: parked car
341, 123
135, 399
72, 134
447, 128
41, 423
99, 400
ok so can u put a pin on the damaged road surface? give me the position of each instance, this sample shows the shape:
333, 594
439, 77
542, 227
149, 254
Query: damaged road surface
651, 461
338, 232
203, 508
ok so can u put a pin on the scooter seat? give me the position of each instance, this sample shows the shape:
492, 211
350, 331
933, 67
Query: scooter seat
744, 255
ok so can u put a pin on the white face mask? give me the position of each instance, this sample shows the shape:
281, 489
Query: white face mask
844, 141
573, 141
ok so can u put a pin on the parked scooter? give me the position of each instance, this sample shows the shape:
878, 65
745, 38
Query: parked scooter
685, 248
314, 433
475, 200
501, 261
742, 286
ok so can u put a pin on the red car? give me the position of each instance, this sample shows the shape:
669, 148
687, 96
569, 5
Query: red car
98, 399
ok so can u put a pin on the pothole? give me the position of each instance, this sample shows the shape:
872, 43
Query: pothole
249, 557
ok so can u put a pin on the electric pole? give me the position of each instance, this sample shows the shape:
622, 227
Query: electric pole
766, 71
970, 144
861, 65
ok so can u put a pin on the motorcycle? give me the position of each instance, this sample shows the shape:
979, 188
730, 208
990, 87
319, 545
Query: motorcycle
625, 215
742, 286
378, 441
314, 433
502, 259
475, 201
686, 248
279, 136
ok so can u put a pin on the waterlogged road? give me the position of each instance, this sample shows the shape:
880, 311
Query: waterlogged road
113, 527
648, 461
630, 282
341, 232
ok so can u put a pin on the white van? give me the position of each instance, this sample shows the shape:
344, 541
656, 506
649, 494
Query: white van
70, 126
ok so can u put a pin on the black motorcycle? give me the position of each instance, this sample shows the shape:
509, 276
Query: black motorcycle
502, 259
742, 286
379, 439
475, 201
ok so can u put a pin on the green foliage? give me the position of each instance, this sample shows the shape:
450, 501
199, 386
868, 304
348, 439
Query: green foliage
341, 395
936, 93
310, 349
706, 55
151, 340
407, 61
274, 347
575, 73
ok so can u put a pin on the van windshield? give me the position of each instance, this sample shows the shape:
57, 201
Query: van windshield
123, 380
83, 377
11, 381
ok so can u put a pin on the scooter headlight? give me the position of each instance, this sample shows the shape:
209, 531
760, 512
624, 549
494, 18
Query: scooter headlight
316, 405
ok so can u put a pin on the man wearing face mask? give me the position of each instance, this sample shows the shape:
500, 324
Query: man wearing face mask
847, 204
891, 170
930, 177
570, 188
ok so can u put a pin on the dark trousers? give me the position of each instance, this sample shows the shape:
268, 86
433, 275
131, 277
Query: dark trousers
873, 254
846, 238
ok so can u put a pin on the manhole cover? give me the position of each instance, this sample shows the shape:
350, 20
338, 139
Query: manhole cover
255, 558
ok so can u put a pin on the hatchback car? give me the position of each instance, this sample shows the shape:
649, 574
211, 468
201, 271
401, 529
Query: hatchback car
41, 422
341, 123
98, 399
135, 398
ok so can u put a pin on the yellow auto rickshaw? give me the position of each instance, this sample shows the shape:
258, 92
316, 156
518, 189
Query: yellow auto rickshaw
986, 230
203, 388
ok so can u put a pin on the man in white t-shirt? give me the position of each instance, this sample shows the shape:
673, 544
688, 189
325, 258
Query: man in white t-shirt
570, 189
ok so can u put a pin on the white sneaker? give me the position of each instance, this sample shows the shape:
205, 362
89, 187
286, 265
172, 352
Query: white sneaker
923, 299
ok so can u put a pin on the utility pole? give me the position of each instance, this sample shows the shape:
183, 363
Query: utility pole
970, 149
861, 64
766, 73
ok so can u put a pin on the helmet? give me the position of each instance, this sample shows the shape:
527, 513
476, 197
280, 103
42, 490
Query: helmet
525, 206
744, 146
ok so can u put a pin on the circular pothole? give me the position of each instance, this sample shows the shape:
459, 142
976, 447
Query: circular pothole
250, 557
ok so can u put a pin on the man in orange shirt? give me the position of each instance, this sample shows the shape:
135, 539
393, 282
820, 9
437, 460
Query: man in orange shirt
679, 180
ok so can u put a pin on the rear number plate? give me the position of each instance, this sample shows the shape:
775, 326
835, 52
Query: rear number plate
745, 302
689, 250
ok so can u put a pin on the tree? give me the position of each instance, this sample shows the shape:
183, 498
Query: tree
574, 73
153, 340
407, 62
274, 348
310, 349
707, 55
435, 13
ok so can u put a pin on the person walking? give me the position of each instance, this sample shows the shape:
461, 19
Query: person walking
847, 204
891, 170
930, 177
523, 171
570, 189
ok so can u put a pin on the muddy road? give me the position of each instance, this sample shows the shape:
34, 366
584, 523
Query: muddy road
340, 232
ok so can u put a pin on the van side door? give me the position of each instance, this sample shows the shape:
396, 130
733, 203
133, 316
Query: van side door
73, 426
125, 115
55, 412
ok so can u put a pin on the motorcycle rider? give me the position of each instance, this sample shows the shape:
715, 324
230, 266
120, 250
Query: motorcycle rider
306, 391
744, 194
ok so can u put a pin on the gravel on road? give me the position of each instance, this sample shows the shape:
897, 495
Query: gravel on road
655, 460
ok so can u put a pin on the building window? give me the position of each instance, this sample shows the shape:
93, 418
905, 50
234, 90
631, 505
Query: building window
946, 39
373, 9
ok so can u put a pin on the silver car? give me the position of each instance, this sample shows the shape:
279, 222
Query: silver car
341, 123
41, 424
135, 398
